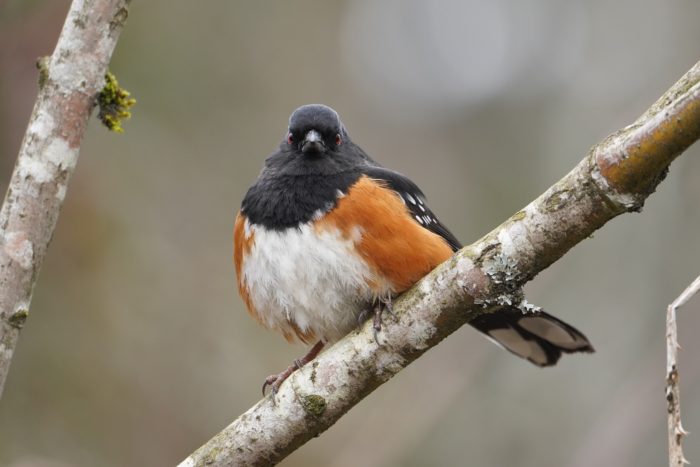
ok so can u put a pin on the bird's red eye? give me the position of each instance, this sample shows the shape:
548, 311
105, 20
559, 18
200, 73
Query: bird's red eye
290, 138
338, 139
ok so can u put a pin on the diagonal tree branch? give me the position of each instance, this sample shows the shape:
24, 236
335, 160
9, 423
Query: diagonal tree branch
615, 177
69, 82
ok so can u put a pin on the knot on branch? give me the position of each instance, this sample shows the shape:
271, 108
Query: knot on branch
620, 201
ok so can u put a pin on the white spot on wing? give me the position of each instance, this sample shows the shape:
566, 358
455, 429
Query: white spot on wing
410, 198
419, 219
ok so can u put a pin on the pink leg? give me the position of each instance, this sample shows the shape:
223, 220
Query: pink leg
379, 306
275, 381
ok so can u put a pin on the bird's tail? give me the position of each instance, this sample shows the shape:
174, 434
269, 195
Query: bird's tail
534, 335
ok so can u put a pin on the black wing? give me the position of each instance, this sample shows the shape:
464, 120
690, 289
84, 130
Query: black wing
415, 201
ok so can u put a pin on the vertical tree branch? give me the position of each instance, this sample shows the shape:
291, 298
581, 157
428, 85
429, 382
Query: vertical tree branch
69, 82
675, 428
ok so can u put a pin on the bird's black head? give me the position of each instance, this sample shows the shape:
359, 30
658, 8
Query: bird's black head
313, 167
315, 130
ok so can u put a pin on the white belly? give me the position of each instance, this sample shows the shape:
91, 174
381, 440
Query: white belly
313, 279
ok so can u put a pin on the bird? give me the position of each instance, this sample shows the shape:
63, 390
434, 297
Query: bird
326, 237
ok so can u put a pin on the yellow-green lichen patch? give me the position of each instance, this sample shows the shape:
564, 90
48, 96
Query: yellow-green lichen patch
114, 103
42, 64
314, 405
18, 318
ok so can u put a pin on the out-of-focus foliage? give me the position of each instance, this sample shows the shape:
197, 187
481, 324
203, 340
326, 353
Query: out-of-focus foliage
137, 348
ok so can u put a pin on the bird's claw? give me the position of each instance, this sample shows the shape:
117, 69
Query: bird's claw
275, 381
381, 306
377, 323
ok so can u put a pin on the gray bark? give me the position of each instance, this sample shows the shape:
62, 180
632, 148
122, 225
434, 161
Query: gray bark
69, 82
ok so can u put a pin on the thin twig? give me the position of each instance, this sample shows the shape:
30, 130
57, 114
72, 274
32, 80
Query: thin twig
676, 433
69, 82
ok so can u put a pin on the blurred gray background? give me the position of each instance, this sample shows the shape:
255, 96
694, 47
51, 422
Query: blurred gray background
138, 349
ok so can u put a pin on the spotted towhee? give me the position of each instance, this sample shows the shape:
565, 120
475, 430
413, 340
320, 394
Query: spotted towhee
326, 234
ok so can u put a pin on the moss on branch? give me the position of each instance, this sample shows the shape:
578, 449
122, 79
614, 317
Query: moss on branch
114, 102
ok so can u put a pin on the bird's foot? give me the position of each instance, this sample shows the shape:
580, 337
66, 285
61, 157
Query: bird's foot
275, 381
381, 305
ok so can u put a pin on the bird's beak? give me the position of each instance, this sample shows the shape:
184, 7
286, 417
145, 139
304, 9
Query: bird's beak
313, 143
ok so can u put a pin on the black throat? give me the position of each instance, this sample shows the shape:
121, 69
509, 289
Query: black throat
282, 201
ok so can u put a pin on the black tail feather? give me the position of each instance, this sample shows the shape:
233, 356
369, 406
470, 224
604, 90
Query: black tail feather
534, 335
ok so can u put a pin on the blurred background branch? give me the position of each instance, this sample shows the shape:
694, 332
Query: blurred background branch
676, 432
616, 177
69, 83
